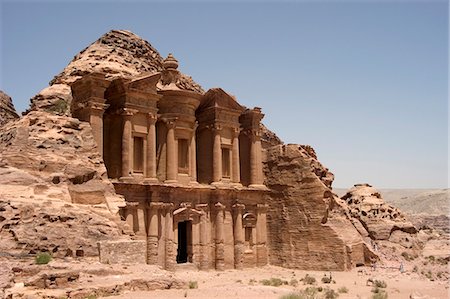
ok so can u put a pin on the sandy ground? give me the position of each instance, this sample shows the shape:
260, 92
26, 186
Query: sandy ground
246, 284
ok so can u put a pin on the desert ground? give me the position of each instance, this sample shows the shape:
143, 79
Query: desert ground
248, 284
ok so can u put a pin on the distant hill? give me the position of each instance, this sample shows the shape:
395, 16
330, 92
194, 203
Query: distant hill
415, 201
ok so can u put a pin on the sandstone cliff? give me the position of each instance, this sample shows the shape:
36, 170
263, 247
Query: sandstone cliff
7, 110
118, 53
306, 228
47, 156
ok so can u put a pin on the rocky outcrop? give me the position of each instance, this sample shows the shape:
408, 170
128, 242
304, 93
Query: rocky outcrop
7, 110
118, 53
382, 221
306, 228
29, 226
268, 138
46, 156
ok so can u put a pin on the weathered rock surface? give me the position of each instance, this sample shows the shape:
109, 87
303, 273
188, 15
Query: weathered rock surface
382, 221
30, 226
306, 229
7, 110
118, 53
269, 138
44, 156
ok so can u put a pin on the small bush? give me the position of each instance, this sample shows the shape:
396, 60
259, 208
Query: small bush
326, 279
380, 284
343, 290
252, 281
380, 294
193, 285
43, 258
293, 296
293, 282
308, 279
330, 294
275, 282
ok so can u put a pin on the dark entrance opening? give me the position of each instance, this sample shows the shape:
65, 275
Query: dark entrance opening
184, 242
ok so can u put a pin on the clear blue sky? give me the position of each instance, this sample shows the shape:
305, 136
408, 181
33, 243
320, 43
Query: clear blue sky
365, 83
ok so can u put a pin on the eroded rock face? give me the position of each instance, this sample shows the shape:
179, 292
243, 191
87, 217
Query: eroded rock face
306, 229
46, 156
7, 110
118, 53
381, 220
269, 138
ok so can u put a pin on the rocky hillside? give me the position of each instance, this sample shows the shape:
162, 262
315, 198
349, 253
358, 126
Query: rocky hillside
118, 53
7, 110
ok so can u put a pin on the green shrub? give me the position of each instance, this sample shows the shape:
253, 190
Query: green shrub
275, 282
343, 290
380, 284
58, 107
293, 296
43, 258
330, 294
381, 294
193, 284
308, 279
293, 282
326, 279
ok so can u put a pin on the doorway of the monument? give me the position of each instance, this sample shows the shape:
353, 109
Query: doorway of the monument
184, 252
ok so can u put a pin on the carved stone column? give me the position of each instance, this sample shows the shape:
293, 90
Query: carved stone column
256, 175
140, 215
169, 244
193, 156
261, 235
204, 244
152, 232
126, 143
171, 165
238, 232
217, 155
96, 110
151, 149
235, 168
130, 211
220, 250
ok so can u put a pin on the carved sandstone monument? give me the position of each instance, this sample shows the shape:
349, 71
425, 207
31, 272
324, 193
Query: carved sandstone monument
184, 175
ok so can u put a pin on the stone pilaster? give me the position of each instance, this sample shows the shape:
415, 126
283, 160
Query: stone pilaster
238, 233
193, 156
235, 168
169, 243
171, 160
217, 155
126, 143
219, 240
261, 235
96, 110
256, 173
151, 149
152, 232
204, 243
130, 213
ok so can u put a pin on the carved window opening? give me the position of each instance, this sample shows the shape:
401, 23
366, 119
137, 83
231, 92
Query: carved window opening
183, 152
138, 154
226, 162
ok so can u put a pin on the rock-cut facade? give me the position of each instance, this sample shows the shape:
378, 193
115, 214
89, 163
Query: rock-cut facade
188, 163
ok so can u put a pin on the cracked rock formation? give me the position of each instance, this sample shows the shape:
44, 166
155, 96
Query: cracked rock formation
381, 220
7, 110
48, 156
306, 228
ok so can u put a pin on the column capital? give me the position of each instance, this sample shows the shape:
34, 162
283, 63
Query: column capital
219, 206
152, 118
238, 207
202, 206
131, 204
170, 122
235, 131
128, 112
262, 207
168, 206
155, 205
216, 128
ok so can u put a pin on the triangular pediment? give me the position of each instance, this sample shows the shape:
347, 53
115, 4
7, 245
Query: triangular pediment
218, 98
